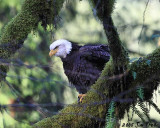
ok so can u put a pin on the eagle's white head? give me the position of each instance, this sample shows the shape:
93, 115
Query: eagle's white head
60, 48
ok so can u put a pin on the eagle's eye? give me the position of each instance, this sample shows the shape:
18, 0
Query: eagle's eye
56, 47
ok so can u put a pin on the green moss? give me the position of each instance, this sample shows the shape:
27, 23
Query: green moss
74, 117
16, 31
144, 69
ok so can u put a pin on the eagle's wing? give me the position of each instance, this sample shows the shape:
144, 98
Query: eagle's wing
95, 52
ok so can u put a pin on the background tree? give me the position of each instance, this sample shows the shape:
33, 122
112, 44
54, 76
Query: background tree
118, 78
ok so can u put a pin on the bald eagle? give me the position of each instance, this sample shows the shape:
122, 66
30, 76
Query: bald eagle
82, 64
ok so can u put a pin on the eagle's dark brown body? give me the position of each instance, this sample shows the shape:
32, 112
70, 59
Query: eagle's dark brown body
84, 64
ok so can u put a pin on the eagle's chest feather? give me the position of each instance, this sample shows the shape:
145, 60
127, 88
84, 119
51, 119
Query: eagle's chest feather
80, 71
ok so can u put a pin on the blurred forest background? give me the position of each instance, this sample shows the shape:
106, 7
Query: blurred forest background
40, 80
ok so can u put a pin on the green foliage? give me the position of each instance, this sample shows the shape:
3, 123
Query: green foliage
110, 117
134, 74
148, 62
140, 92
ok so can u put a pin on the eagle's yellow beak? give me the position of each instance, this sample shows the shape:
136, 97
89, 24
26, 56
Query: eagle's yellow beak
53, 52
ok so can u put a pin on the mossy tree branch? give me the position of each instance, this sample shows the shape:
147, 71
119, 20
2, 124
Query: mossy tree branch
23, 23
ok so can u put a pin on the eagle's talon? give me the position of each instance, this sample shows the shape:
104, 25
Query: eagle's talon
81, 97
78, 100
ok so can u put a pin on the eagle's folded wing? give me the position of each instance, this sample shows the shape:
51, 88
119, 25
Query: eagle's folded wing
95, 52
